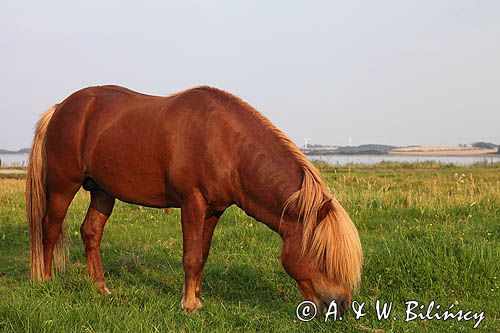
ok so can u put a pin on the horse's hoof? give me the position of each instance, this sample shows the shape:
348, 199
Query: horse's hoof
191, 306
104, 291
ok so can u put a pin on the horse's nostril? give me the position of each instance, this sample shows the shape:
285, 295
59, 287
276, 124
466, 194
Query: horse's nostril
344, 307
324, 307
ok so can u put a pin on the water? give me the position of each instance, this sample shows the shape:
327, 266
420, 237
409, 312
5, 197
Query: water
21, 159
14, 159
374, 159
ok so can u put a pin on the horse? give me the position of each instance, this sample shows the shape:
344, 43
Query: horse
201, 150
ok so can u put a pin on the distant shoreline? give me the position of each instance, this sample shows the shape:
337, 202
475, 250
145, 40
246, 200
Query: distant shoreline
12, 171
444, 154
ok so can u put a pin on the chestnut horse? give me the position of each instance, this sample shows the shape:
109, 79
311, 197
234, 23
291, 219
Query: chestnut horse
201, 150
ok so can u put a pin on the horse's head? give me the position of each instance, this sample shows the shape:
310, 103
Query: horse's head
323, 254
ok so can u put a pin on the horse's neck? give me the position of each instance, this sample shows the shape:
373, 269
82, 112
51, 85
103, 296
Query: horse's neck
267, 183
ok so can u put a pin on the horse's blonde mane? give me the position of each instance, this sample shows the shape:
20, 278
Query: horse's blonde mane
333, 243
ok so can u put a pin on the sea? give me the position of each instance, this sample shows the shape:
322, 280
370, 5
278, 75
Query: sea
20, 160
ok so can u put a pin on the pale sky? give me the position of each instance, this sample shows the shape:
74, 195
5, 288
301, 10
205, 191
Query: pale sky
390, 72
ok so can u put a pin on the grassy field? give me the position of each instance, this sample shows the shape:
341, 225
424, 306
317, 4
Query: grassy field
429, 232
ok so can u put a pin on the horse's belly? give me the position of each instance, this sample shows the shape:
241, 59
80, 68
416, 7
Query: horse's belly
146, 196
146, 192
133, 182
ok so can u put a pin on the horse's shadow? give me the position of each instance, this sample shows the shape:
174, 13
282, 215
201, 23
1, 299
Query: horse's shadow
236, 284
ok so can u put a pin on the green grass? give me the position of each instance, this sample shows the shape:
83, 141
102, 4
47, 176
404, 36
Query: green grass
429, 232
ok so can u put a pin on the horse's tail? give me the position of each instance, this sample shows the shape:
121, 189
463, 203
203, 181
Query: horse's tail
36, 201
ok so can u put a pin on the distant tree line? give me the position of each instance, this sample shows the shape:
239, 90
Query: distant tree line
486, 145
369, 149
20, 151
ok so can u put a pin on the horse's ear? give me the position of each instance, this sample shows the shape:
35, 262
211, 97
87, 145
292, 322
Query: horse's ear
325, 208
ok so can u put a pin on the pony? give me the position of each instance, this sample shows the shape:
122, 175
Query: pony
200, 150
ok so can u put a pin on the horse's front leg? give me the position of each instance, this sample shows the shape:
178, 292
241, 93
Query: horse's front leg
193, 212
208, 230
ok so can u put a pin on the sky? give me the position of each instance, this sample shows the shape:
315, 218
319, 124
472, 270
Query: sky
388, 72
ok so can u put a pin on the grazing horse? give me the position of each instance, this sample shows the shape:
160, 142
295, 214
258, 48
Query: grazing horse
200, 150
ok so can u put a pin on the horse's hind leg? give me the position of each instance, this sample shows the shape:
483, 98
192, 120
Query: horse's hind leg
101, 206
57, 206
